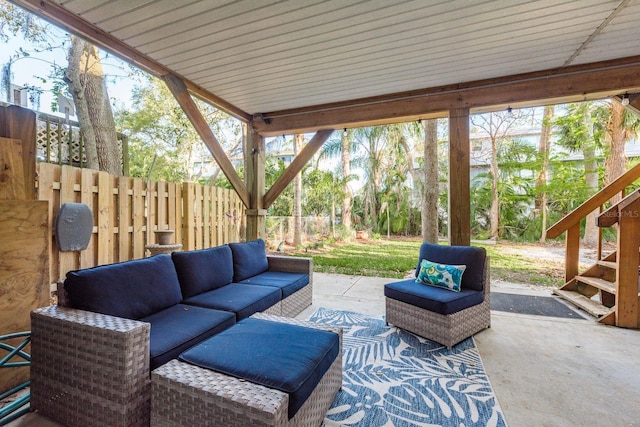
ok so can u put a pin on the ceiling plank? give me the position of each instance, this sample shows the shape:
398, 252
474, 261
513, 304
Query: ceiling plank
180, 92
576, 82
60, 16
296, 166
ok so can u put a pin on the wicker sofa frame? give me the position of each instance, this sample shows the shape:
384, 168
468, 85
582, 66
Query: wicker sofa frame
91, 369
447, 329
298, 301
187, 395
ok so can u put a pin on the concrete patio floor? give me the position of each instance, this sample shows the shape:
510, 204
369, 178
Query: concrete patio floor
545, 371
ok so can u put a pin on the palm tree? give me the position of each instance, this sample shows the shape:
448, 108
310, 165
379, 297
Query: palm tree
589, 126
342, 146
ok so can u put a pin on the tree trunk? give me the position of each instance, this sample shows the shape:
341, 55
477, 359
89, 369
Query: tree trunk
541, 180
345, 147
591, 178
494, 216
297, 195
85, 78
431, 184
616, 161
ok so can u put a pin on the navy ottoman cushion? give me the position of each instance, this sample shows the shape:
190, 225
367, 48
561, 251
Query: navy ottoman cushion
289, 358
244, 300
249, 259
202, 270
438, 300
471, 256
131, 289
177, 328
288, 282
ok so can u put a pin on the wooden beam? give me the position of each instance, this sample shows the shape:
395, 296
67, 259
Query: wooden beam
572, 253
296, 166
179, 91
62, 17
459, 178
566, 84
627, 310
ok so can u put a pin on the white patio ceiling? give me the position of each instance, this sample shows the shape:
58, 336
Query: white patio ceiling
268, 55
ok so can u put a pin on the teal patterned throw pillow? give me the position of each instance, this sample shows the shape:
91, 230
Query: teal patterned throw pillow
441, 275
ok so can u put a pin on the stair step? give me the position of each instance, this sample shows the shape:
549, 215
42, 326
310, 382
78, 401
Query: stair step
596, 282
590, 306
608, 264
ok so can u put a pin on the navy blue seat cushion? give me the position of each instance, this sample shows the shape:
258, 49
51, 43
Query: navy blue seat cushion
249, 259
471, 256
289, 358
177, 328
202, 270
289, 283
131, 289
244, 300
438, 300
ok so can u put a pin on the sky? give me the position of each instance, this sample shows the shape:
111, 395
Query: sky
33, 69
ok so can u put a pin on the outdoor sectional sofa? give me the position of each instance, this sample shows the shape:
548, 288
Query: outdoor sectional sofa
92, 354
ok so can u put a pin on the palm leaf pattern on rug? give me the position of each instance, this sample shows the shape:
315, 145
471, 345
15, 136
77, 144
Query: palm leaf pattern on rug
394, 378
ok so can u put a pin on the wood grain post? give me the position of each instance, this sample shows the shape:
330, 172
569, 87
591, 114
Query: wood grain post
459, 178
572, 253
20, 123
255, 182
179, 90
627, 310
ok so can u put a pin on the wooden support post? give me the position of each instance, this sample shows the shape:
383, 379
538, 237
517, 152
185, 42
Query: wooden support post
179, 90
572, 253
459, 178
627, 310
254, 179
20, 123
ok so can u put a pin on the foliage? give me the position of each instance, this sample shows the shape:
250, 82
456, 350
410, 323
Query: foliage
163, 144
16, 21
321, 191
283, 205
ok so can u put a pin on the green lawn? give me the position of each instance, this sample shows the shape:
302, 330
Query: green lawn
394, 258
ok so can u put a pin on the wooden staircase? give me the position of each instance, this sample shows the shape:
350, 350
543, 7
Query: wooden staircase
610, 289
594, 290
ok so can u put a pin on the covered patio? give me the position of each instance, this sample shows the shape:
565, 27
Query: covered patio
316, 66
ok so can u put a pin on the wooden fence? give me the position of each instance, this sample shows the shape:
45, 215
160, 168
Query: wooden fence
126, 211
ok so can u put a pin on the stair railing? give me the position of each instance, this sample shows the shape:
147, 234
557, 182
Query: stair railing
571, 222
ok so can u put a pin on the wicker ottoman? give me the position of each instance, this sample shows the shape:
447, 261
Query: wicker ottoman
183, 394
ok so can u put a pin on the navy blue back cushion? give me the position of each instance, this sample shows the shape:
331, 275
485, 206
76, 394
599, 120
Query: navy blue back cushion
249, 259
471, 256
289, 358
203, 270
131, 289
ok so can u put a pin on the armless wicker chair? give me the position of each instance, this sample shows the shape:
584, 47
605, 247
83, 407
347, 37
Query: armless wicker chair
438, 314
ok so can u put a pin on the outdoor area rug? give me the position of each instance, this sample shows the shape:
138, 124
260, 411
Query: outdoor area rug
394, 378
